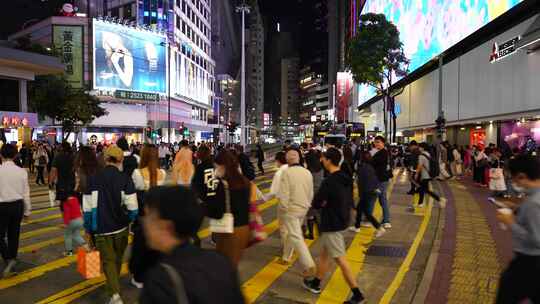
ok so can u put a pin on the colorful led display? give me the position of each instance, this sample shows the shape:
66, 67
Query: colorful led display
429, 27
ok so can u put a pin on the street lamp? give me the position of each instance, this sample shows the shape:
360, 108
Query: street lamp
244, 8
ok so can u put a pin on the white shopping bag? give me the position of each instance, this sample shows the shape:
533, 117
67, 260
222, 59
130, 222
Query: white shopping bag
52, 198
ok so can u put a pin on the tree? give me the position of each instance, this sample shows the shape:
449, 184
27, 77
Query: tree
24, 43
376, 58
52, 96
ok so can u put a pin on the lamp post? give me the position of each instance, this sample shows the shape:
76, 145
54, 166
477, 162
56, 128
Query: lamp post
244, 8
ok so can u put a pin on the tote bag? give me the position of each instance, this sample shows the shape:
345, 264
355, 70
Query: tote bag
226, 223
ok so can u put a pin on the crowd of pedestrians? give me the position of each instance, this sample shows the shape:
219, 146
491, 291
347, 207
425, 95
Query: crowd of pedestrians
113, 191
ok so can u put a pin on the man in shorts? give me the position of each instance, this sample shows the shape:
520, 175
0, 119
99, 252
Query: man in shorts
335, 200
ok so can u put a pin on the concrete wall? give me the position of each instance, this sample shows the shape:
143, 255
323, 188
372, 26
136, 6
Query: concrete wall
474, 88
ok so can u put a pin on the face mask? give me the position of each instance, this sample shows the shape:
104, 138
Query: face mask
517, 188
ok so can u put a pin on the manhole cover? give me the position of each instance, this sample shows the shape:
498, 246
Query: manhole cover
387, 251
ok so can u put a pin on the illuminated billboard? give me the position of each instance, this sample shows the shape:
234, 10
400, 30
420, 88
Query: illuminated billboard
129, 59
429, 27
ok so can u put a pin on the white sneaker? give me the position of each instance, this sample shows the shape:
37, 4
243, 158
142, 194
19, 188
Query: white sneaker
380, 232
116, 299
8, 271
442, 202
420, 206
354, 229
366, 224
387, 225
136, 284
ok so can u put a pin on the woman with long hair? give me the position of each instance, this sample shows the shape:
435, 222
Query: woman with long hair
183, 168
148, 175
86, 165
227, 169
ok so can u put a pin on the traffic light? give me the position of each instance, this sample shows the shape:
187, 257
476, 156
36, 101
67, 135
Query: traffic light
186, 131
159, 132
232, 127
148, 132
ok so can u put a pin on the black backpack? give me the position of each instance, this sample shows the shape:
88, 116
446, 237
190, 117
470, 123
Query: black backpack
433, 166
130, 164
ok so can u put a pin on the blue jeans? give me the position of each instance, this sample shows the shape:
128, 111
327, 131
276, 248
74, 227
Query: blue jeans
383, 187
72, 234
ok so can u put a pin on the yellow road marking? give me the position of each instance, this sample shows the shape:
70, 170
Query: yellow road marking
337, 289
257, 285
85, 287
40, 245
44, 210
42, 219
63, 262
405, 266
37, 232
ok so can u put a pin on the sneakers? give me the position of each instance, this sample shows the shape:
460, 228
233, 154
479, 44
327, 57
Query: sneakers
282, 261
354, 229
136, 284
8, 271
116, 299
366, 224
411, 209
68, 253
387, 225
442, 202
355, 300
312, 285
420, 206
411, 192
380, 232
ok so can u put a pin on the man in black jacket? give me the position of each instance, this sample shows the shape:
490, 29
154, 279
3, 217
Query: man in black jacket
335, 201
245, 163
381, 163
186, 274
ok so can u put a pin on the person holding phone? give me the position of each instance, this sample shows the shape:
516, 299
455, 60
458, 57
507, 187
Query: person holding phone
518, 281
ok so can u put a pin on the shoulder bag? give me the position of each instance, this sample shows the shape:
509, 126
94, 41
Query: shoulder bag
226, 223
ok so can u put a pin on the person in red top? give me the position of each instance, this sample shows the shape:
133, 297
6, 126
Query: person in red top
73, 221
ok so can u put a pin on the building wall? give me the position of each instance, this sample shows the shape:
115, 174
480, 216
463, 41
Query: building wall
475, 89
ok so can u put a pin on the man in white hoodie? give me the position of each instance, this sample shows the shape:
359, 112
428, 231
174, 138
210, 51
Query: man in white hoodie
295, 195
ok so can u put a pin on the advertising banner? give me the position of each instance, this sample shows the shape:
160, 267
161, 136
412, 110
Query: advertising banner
344, 91
129, 59
68, 44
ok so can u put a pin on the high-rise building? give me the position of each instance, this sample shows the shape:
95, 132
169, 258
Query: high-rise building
255, 67
289, 89
342, 26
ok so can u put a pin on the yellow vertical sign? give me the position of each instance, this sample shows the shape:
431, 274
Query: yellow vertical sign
68, 45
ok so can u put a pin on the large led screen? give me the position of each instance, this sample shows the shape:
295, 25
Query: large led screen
126, 58
429, 27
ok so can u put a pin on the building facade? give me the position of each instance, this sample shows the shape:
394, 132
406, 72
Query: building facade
170, 75
289, 89
488, 87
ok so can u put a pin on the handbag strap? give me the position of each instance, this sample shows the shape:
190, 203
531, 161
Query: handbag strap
178, 282
227, 196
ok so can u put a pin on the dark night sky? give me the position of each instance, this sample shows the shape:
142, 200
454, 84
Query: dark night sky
15, 13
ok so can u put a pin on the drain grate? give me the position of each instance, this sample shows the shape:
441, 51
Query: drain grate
387, 251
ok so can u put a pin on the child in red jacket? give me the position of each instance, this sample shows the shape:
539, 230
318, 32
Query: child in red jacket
71, 211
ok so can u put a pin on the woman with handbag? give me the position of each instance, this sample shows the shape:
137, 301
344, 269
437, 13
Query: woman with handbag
147, 176
228, 207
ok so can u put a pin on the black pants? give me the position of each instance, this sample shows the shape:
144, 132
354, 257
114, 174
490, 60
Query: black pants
367, 199
40, 176
260, 165
520, 280
424, 189
11, 215
142, 257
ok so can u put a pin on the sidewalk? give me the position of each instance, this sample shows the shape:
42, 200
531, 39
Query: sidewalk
473, 251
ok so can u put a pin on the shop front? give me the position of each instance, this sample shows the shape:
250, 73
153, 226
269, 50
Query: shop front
16, 127
522, 134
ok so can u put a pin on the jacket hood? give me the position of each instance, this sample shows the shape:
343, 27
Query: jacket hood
343, 178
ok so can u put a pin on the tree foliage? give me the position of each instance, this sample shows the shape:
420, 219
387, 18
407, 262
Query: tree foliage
376, 57
52, 96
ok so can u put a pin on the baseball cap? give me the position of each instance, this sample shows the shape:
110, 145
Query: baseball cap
113, 151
